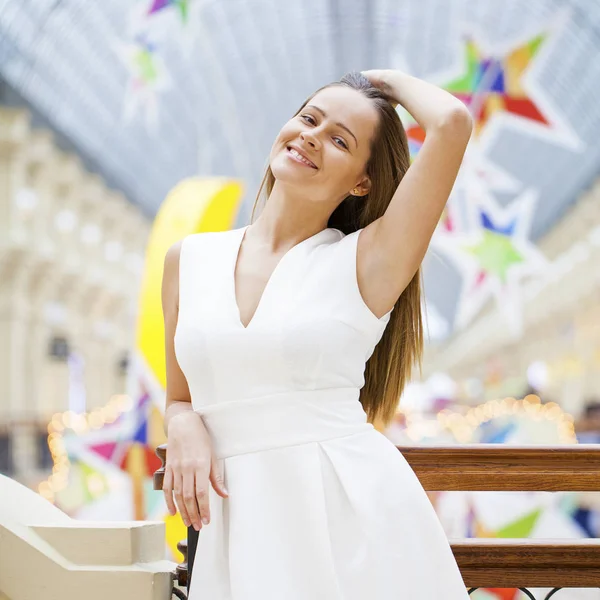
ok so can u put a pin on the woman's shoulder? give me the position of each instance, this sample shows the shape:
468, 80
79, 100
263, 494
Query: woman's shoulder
172, 257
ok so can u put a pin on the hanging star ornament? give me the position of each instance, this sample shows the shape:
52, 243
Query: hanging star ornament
492, 83
158, 5
498, 86
182, 7
148, 78
168, 23
487, 85
493, 257
478, 176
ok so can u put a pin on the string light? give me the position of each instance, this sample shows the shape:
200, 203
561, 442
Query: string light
464, 426
79, 423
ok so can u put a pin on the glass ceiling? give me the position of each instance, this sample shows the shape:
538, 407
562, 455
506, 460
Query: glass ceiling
153, 91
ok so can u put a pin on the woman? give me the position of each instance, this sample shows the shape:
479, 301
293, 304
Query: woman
272, 455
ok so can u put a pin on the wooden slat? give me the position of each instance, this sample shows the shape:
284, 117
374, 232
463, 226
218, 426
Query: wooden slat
530, 563
499, 467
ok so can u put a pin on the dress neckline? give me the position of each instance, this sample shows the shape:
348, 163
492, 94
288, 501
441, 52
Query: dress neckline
273, 276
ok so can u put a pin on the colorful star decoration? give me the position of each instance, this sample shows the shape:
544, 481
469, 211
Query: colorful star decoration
478, 176
491, 84
148, 78
493, 257
104, 461
144, 65
495, 84
168, 23
120, 438
183, 7
495, 251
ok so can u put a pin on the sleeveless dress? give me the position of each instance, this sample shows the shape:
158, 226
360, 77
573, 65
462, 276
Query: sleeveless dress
321, 505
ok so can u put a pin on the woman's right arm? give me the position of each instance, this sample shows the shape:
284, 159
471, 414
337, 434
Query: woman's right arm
191, 465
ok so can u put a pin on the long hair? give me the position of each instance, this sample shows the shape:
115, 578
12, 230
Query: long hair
401, 346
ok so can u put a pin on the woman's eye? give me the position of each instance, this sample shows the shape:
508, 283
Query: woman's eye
312, 121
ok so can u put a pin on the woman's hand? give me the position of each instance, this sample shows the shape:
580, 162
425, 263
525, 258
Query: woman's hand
430, 105
378, 78
191, 467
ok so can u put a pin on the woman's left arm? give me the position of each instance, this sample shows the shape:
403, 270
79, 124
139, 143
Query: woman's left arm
403, 233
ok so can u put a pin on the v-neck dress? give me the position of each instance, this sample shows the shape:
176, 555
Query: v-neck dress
321, 505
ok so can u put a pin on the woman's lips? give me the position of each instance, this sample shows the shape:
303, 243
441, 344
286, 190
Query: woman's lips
297, 157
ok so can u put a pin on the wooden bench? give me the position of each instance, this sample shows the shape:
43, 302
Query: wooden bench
502, 562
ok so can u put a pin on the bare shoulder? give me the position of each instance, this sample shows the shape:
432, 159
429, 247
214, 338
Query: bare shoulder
172, 257
170, 280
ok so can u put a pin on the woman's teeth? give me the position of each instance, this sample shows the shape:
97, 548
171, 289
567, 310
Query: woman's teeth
301, 158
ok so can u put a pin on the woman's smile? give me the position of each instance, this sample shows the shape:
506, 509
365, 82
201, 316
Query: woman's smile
298, 157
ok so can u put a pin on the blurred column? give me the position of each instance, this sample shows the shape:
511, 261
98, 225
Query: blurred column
48, 314
14, 313
14, 132
116, 291
17, 266
17, 204
86, 294
47, 362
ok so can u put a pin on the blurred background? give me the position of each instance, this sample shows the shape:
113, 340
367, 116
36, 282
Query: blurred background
125, 125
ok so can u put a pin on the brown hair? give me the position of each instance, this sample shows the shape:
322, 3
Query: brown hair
401, 346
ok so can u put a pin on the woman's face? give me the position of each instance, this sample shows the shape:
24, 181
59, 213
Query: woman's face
326, 146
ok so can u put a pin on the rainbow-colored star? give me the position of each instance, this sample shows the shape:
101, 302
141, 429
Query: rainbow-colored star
493, 255
182, 5
490, 84
495, 251
144, 67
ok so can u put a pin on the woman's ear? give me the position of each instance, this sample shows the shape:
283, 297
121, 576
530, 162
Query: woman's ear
362, 189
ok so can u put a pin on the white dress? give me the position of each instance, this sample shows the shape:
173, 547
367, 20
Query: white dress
321, 505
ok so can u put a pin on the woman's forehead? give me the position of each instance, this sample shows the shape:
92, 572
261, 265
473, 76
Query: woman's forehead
349, 107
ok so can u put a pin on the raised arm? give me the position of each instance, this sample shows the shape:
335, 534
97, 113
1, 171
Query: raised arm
399, 239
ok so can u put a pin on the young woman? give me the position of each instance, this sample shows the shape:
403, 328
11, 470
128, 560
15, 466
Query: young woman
286, 339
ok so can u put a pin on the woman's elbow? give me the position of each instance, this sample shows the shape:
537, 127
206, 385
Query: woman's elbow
457, 123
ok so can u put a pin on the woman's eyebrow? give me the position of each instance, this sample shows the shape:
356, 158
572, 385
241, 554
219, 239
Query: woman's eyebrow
338, 124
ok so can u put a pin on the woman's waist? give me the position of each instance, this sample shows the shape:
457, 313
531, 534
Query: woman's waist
285, 419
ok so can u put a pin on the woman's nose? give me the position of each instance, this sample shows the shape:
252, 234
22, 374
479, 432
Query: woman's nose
309, 139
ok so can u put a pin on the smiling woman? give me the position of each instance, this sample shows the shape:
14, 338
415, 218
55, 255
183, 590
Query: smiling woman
333, 132
287, 339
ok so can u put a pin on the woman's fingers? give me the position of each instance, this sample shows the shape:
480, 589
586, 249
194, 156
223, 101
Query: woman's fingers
178, 492
189, 496
168, 490
216, 478
189, 483
202, 497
